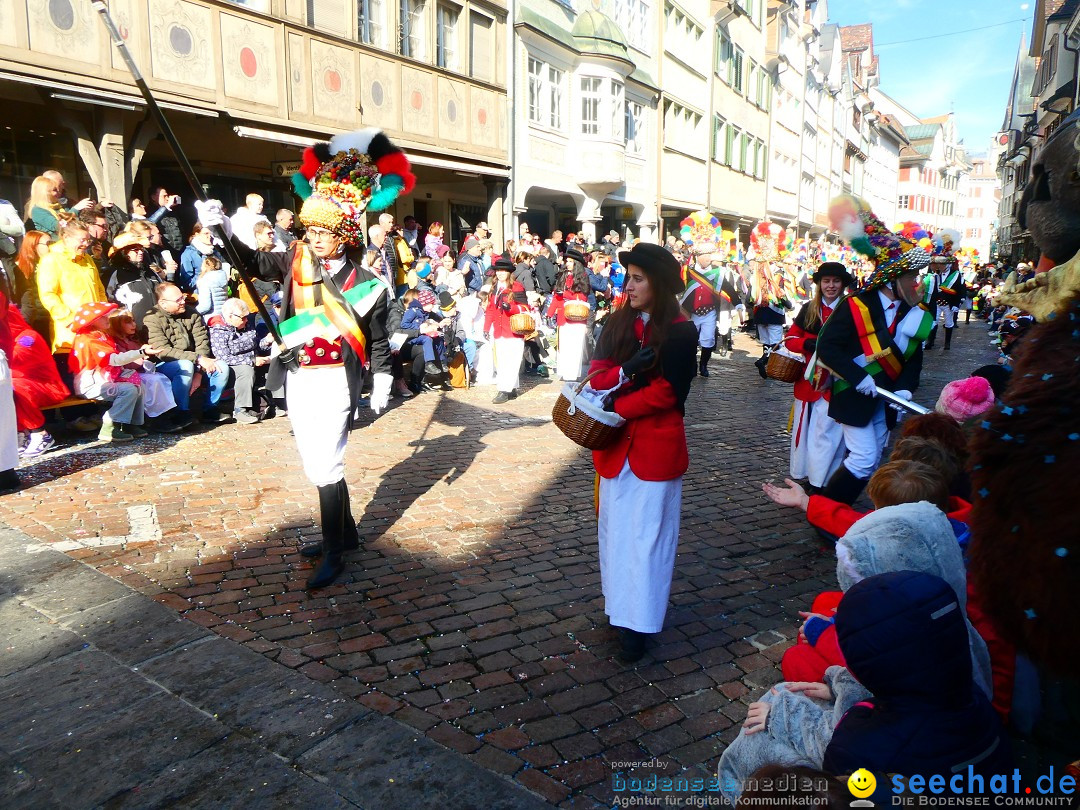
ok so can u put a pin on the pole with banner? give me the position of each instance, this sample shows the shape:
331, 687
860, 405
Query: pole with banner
188, 171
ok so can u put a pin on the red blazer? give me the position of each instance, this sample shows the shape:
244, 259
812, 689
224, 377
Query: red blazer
497, 316
555, 309
836, 518
795, 342
653, 439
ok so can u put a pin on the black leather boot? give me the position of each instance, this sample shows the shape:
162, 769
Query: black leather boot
350, 536
703, 366
631, 645
729, 343
929, 344
763, 361
948, 338
332, 500
843, 486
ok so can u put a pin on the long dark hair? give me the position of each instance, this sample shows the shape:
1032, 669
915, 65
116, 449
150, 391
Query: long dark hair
573, 278
618, 341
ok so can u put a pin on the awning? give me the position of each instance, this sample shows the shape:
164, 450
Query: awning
416, 158
65, 91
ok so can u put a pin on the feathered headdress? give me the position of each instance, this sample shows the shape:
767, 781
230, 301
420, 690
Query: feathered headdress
914, 232
892, 255
701, 232
354, 172
946, 243
768, 241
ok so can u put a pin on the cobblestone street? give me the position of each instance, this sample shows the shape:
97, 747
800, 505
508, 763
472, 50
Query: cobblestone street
473, 612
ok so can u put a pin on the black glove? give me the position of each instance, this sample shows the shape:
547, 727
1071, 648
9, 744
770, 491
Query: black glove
504, 303
809, 345
640, 361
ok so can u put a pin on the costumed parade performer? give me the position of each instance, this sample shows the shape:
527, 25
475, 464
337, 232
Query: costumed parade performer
507, 299
572, 287
817, 440
333, 318
702, 232
948, 286
874, 338
645, 357
770, 302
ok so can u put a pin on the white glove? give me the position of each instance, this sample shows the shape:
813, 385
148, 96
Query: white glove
212, 213
380, 392
903, 394
866, 386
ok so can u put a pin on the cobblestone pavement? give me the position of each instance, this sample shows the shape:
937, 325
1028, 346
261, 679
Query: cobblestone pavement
473, 610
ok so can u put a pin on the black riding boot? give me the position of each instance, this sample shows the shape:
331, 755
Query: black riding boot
763, 361
843, 486
948, 338
351, 538
929, 344
333, 508
729, 342
703, 366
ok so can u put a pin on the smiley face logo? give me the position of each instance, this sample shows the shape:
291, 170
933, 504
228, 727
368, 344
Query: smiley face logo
861, 783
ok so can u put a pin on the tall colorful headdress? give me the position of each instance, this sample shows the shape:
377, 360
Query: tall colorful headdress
768, 241
355, 172
701, 232
914, 232
946, 243
893, 255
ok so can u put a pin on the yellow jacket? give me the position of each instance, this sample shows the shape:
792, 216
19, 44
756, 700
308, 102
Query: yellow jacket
65, 282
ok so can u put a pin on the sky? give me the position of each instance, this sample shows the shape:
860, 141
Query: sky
968, 72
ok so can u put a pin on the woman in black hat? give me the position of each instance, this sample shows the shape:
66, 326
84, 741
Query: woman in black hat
645, 356
572, 285
506, 300
817, 442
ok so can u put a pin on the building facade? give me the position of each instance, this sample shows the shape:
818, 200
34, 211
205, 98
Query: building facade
246, 85
980, 196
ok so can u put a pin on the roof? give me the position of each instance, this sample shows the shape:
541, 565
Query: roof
1061, 9
856, 37
937, 119
598, 34
924, 148
921, 132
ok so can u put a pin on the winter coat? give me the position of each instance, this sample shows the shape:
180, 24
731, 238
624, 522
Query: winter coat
132, 287
213, 291
178, 337
926, 715
169, 226
473, 269
546, 274
65, 282
413, 318
191, 262
523, 275
432, 243
231, 345
45, 219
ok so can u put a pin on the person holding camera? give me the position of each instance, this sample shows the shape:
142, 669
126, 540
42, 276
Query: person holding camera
646, 359
163, 216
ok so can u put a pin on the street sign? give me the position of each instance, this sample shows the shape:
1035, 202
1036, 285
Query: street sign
627, 212
284, 168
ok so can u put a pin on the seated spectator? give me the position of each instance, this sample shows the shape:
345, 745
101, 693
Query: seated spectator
470, 324
199, 247
213, 287
418, 314
246, 216
182, 344
66, 279
423, 270
909, 706
966, 400
471, 264
158, 401
164, 204
34, 247
433, 241
133, 282
449, 278
98, 370
234, 341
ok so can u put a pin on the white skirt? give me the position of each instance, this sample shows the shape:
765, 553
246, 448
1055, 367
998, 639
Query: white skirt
157, 393
319, 408
571, 350
9, 428
638, 533
485, 364
508, 354
817, 443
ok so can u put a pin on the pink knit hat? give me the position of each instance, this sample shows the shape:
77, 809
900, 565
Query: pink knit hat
966, 399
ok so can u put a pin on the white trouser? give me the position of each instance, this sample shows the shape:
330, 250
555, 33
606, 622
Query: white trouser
770, 333
817, 442
319, 407
508, 354
638, 533
946, 313
9, 427
866, 444
706, 329
571, 350
723, 321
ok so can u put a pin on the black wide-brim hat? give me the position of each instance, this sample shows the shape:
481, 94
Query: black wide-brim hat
503, 263
836, 270
655, 259
576, 255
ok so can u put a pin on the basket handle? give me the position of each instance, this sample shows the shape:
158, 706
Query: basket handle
582, 384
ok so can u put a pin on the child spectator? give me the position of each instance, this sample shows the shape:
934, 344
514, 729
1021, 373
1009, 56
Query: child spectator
157, 388
450, 279
212, 287
99, 373
433, 241
430, 340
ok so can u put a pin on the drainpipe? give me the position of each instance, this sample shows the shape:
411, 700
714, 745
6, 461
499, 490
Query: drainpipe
509, 231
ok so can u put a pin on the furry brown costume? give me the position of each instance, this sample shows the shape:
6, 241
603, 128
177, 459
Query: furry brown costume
1025, 525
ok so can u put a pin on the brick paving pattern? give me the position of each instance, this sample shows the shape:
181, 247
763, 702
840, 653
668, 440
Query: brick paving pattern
473, 610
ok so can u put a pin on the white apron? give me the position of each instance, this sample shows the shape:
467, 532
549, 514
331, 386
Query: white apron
9, 427
508, 355
638, 533
571, 350
485, 364
817, 443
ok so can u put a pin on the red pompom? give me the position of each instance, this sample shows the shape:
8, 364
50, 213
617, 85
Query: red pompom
394, 163
310, 164
410, 182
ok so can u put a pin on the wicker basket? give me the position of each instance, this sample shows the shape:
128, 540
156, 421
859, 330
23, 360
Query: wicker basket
582, 421
522, 324
785, 367
576, 311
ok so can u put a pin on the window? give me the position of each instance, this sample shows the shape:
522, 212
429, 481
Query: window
744, 151
536, 90
618, 112
723, 57
481, 46
904, 201
737, 71
545, 94
446, 19
412, 29
632, 17
555, 97
763, 158
718, 139
590, 105
731, 145
751, 81
371, 22
635, 128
